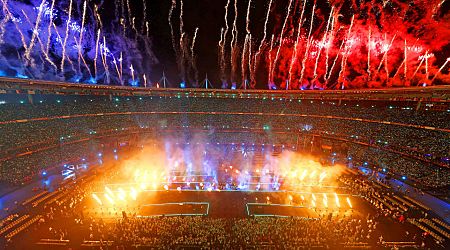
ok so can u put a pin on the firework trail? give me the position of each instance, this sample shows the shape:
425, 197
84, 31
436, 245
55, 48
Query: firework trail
281, 42
329, 44
398, 69
308, 44
233, 44
220, 46
406, 61
117, 70
270, 60
172, 7
346, 53
181, 17
182, 56
121, 66
96, 53
386, 65
250, 62
334, 62
5, 20
417, 69
440, 69
47, 58
99, 25
116, 9
122, 18
132, 73
105, 64
258, 52
222, 50
61, 43
122, 5
427, 73
247, 25
80, 42
368, 51
98, 19
438, 6
384, 58
294, 55
324, 41
129, 12
193, 61
145, 80
123, 25
82, 58
182, 45
244, 60
144, 3
66, 36
35, 32
49, 29
133, 24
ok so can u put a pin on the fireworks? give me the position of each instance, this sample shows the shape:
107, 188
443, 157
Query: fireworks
35, 32
308, 44
193, 63
390, 39
263, 40
294, 54
274, 63
66, 36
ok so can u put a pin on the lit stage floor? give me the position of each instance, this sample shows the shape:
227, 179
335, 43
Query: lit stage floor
227, 204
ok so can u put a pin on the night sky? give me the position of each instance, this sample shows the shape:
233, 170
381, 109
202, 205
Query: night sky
390, 43
208, 16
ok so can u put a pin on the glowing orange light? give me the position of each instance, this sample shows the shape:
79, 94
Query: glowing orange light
349, 203
97, 199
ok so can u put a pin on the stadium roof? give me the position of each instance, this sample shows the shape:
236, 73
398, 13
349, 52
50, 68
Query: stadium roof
28, 86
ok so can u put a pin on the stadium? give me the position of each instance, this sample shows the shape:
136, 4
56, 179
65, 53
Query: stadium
95, 166
318, 125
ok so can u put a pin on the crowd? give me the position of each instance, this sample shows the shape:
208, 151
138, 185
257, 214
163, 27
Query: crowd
430, 147
65, 220
20, 170
390, 207
286, 233
389, 163
420, 142
51, 105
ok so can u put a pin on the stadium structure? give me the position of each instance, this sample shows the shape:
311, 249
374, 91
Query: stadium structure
225, 124
99, 167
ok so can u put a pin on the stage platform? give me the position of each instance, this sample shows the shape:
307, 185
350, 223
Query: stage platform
280, 210
224, 204
174, 209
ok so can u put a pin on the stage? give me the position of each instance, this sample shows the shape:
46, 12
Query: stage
227, 204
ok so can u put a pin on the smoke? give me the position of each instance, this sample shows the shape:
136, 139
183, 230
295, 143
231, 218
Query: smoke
37, 35
389, 33
191, 158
